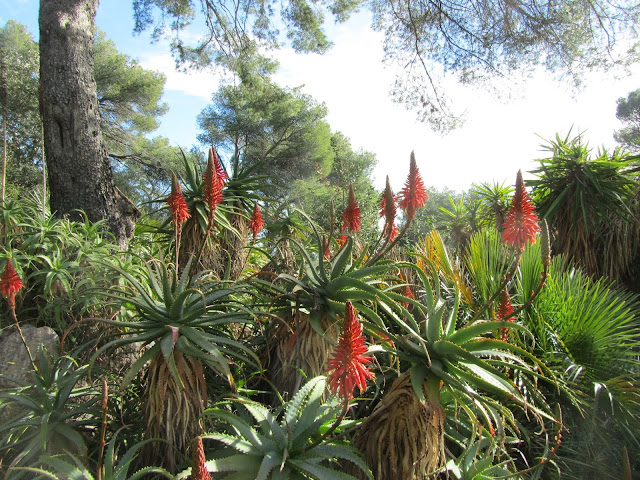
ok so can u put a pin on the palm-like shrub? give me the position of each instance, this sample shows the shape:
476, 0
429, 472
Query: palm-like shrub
590, 204
290, 443
588, 332
493, 203
185, 323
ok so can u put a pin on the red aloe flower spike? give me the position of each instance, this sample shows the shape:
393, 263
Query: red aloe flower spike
177, 204
351, 215
347, 366
255, 222
212, 188
10, 284
341, 240
521, 225
388, 210
414, 194
505, 312
388, 206
409, 294
222, 174
199, 469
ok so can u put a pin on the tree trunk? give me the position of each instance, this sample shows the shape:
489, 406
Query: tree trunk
80, 174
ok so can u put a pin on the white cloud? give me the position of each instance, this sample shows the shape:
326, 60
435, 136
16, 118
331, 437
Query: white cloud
200, 83
497, 140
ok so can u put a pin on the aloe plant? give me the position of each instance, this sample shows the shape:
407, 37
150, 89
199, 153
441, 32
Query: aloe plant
301, 339
52, 412
67, 466
287, 444
445, 356
184, 321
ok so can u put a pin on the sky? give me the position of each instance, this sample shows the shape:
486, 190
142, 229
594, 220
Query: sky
498, 137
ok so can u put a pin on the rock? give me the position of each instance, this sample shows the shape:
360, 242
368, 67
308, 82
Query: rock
14, 360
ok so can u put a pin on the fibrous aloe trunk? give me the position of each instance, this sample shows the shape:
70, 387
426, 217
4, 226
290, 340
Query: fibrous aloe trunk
403, 438
173, 410
298, 351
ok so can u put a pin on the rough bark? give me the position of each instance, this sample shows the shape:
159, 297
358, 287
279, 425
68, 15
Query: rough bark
79, 171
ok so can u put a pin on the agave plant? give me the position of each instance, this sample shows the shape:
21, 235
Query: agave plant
185, 323
47, 414
290, 443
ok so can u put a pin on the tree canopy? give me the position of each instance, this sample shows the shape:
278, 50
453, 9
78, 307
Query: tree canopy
628, 112
19, 60
474, 41
129, 101
257, 122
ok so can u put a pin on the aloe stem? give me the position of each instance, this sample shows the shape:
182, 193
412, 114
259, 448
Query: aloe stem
103, 430
332, 428
24, 342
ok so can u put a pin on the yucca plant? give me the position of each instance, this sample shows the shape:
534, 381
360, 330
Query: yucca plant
493, 203
293, 442
591, 204
458, 221
48, 413
184, 321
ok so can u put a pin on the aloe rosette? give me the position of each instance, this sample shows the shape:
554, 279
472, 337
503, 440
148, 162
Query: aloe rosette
308, 307
289, 443
184, 324
445, 358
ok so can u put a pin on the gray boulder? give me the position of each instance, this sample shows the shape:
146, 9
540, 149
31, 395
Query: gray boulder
14, 360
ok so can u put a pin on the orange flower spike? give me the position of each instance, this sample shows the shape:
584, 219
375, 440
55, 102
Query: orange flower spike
199, 469
414, 194
351, 215
256, 223
521, 225
177, 204
10, 284
212, 188
347, 366
222, 175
